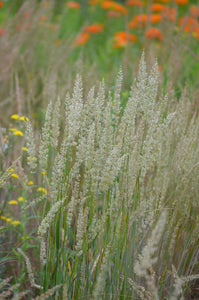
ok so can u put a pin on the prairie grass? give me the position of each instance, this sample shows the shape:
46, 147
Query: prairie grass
114, 211
99, 172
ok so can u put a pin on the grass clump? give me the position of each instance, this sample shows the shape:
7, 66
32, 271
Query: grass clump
113, 211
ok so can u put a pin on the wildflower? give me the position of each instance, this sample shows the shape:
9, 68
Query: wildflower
2, 218
194, 10
141, 20
94, 28
182, 2
30, 182
82, 39
43, 173
189, 24
1, 4
15, 175
20, 199
23, 118
114, 6
138, 20
15, 223
13, 129
170, 13
8, 220
12, 202
157, 7
122, 38
73, 4
155, 18
18, 132
24, 149
15, 117
134, 3
153, 33
41, 189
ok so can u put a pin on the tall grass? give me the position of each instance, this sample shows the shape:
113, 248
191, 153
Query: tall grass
113, 211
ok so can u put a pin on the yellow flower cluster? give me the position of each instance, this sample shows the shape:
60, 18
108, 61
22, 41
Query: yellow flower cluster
41, 189
8, 220
17, 117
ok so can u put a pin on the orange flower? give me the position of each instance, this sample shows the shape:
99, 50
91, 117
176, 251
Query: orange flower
194, 10
182, 2
189, 24
170, 13
94, 28
73, 4
141, 20
121, 39
154, 33
134, 3
114, 6
157, 7
82, 39
1, 4
155, 18
2, 31
138, 20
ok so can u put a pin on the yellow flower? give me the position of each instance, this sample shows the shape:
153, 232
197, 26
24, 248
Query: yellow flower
12, 170
24, 148
15, 175
40, 189
18, 132
8, 220
21, 199
15, 117
15, 222
13, 202
23, 118
30, 182
13, 129
43, 173
3, 218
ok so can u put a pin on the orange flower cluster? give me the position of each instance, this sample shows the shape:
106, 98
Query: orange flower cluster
141, 20
134, 3
85, 36
94, 28
121, 39
73, 4
82, 39
182, 2
112, 5
194, 10
190, 24
154, 33
1, 4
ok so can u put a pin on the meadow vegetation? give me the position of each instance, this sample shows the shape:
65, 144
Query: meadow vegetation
99, 169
